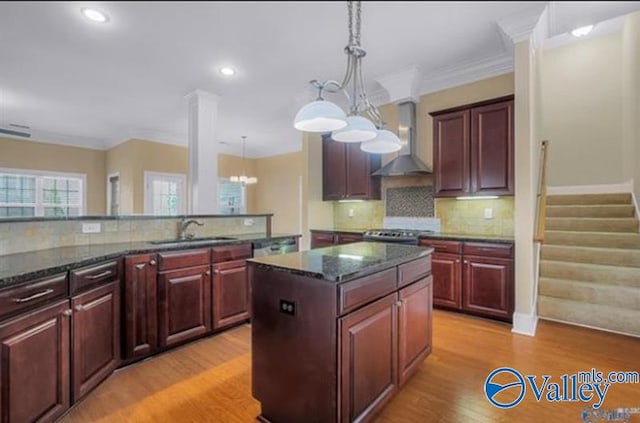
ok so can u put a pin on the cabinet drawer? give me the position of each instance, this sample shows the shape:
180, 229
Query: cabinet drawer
486, 249
442, 246
322, 236
347, 238
230, 252
38, 292
414, 270
361, 291
178, 259
94, 275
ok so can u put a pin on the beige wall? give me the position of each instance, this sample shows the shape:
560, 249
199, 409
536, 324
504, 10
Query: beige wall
33, 155
631, 99
582, 112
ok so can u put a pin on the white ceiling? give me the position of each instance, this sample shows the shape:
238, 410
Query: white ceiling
78, 82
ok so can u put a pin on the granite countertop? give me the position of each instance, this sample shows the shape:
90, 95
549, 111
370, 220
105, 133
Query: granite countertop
343, 262
468, 237
22, 267
349, 231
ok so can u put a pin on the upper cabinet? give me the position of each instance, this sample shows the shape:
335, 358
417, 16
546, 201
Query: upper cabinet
473, 149
346, 172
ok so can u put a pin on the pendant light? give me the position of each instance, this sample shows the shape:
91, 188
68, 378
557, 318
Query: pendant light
243, 178
324, 116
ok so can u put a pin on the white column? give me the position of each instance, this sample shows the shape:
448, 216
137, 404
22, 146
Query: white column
203, 153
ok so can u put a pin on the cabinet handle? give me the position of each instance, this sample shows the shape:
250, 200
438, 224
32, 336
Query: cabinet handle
152, 263
67, 313
79, 307
398, 304
216, 271
208, 272
33, 297
100, 275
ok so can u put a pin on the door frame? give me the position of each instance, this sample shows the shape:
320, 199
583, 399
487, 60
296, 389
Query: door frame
148, 200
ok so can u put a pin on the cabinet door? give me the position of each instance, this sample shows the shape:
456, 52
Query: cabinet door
360, 165
492, 149
451, 162
334, 168
414, 322
34, 365
346, 238
488, 286
322, 239
368, 359
95, 337
184, 304
230, 293
447, 280
141, 306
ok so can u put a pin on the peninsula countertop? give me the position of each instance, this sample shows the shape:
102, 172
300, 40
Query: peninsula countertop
343, 262
23, 267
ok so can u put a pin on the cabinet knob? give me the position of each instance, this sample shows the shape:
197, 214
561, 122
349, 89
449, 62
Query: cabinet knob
79, 307
152, 263
67, 313
208, 272
458, 261
466, 262
398, 303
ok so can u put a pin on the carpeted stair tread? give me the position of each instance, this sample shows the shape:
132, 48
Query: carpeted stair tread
587, 272
593, 239
591, 292
607, 256
616, 319
608, 210
612, 224
583, 199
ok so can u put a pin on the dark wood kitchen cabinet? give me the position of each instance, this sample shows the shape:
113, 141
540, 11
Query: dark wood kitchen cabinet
34, 365
95, 337
184, 304
320, 239
447, 280
141, 306
231, 295
368, 358
488, 286
346, 172
474, 150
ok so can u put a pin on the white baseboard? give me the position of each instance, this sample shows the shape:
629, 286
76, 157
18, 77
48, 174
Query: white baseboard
590, 327
622, 188
525, 324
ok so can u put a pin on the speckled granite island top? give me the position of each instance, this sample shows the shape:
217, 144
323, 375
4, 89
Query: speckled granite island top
343, 262
22, 267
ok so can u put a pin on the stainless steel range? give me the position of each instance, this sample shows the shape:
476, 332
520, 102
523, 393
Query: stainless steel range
397, 236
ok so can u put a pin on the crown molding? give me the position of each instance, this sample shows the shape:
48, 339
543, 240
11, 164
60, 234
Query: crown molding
48, 137
403, 85
466, 72
520, 27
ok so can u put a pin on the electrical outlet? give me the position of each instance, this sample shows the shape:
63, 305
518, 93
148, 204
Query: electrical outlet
351, 213
488, 213
248, 222
288, 307
91, 228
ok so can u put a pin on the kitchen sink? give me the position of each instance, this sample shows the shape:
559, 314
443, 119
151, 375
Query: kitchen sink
192, 240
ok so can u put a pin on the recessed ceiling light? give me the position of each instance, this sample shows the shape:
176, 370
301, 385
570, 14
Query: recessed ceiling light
94, 15
582, 31
227, 71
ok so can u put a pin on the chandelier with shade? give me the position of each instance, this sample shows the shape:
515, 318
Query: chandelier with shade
243, 178
364, 122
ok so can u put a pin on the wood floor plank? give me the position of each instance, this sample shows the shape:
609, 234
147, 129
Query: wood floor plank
210, 380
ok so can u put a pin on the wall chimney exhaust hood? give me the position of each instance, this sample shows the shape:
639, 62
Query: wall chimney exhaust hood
407, 163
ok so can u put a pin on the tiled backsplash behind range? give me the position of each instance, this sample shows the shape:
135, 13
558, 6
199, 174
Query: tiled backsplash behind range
410, 201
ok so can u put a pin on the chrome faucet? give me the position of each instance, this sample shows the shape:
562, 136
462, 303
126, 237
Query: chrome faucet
184, 224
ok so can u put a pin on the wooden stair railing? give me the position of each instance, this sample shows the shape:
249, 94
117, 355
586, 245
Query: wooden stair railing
541, 211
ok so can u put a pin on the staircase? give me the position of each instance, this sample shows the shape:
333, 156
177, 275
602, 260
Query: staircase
590, 262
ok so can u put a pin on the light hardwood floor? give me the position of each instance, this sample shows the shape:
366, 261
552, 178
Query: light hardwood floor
210, 380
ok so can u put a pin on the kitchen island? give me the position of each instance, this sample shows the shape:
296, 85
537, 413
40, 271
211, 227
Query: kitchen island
337, 331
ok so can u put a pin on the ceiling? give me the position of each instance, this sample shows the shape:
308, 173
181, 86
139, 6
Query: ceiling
83, 83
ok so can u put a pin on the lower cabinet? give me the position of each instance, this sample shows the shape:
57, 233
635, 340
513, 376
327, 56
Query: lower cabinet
140, 306
184, 304
95, 337
368, 358
320, 239
231, 296
488, 286
447, 280
34, 365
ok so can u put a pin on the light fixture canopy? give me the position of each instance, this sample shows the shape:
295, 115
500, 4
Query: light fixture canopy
582, 31
324, 116
386, 142
243, 178
94, 15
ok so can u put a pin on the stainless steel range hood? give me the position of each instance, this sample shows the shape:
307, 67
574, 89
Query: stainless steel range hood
407, 163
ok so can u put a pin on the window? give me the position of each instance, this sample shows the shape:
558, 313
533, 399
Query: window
164, 194
231, 197
33, 193
113, 194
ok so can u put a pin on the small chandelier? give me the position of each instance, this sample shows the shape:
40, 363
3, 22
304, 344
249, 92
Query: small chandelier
244, 179
324, 116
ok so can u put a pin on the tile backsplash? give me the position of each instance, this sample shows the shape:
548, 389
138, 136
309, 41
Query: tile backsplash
467, 216
17, 237
366, 215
